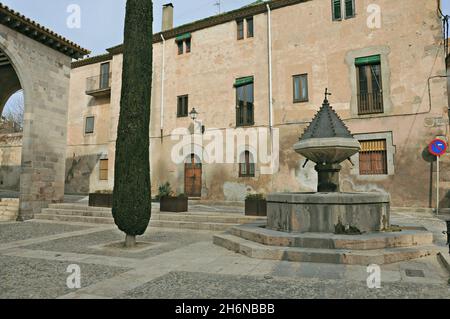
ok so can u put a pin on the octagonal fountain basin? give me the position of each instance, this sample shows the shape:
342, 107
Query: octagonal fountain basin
330, 150
323, 212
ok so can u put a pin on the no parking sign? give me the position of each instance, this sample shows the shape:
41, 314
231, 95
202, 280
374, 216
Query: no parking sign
438, 147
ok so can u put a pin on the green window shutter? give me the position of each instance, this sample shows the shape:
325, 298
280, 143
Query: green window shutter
183, 36
349, 8
373, 59
243, 81
337, 9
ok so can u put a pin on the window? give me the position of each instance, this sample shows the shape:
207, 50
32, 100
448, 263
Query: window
337, 9
103, 170
349, 8
370, 89
347, 5
104, 75
89, 127
180, 47
250, 28
240, 28
184, 41
246, 165
188, 45
373, 158
300, 88
244, 101
183, 106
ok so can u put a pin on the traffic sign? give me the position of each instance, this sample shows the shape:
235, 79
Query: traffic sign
438, 147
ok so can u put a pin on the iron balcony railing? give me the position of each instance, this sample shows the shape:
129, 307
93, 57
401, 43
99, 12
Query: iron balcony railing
98, 84
370, 103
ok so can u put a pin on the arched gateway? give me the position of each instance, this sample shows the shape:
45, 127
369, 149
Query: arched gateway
36, 60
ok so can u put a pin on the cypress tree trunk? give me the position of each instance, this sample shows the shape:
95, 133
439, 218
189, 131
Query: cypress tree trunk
131, 196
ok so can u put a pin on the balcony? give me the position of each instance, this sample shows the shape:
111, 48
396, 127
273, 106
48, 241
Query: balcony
370, 103
99, 86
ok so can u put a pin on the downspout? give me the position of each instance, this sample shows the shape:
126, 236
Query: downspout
162, 85
269, 48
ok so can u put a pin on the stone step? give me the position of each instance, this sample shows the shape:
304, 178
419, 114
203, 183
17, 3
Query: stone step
333, 256
81, 213
79, 207
424, 210
371, 241
191, 225
75, 218
207, 218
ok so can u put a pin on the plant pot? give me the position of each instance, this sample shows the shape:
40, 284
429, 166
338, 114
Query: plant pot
255, 207
173, 204
100, 200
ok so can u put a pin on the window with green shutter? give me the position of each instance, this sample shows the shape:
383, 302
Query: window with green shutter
349, 8
244, 101
337, 9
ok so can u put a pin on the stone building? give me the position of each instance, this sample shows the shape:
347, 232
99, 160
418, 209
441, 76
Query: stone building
264, 68
36, 60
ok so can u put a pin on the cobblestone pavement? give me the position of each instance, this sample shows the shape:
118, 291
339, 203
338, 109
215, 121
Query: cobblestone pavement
34, 257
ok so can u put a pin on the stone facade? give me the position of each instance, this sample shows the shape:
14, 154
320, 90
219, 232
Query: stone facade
44, 74
305, 40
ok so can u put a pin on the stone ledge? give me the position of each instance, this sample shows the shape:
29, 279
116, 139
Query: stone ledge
407, 238
329, 198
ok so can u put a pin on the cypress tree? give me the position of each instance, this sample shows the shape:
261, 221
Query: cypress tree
131, 195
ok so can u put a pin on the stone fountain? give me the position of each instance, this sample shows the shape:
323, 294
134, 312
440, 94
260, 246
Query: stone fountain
328, 142
328, 226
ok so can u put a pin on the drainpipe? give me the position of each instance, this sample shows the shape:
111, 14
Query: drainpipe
269, 43
162, 84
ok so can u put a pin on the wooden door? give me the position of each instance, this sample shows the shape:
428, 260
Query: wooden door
193, 178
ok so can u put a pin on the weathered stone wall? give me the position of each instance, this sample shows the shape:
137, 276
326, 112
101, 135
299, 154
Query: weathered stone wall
10, 161
305, 40
44, 76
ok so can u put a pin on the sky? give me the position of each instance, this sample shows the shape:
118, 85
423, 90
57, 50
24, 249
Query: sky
101, 21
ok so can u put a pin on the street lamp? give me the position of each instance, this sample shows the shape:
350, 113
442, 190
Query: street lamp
194, 115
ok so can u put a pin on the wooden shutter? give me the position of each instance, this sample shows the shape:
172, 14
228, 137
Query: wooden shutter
104, 170
349, 8
373, 157
337, 9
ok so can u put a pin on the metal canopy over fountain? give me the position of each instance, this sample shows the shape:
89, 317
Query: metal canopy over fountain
327, 142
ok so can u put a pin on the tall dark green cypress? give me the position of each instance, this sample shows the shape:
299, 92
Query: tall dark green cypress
131, 195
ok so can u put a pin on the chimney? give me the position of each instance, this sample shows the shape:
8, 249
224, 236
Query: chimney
167, 17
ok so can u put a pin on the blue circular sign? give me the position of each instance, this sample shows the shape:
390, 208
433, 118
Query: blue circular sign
437, 147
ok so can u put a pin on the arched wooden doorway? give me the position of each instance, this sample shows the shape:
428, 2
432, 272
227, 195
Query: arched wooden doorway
193, 176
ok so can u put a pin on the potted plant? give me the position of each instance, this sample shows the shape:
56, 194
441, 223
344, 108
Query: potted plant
169, 202
101, 198
255, 205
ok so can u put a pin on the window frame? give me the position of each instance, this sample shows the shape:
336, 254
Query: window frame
105, 76
300, 100
333, 10
180, 105
252, 33
369, 79
240, 29
353, 9
368, 158
245, 108
86, 132
250, 167
100, 176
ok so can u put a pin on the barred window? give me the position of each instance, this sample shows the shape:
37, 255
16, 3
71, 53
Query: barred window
373, 158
